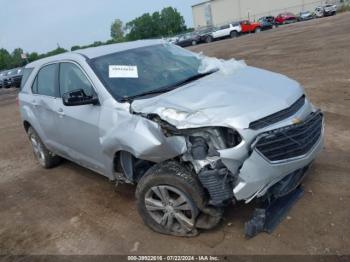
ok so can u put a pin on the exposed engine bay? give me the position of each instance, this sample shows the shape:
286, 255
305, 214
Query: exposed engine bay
203, 145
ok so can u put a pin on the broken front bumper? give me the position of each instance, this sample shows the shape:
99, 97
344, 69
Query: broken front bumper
259, 173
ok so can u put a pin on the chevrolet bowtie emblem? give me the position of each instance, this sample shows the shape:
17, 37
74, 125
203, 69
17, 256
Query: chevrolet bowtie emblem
297, 121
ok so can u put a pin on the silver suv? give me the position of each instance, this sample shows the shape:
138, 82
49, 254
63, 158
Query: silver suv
194, 139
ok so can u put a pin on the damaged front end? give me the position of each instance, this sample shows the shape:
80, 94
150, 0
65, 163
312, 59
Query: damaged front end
203, 146
234, 168
233, 133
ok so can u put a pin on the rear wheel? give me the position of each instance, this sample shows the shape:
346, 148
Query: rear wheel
194, 42
257, 30
233, 34
168, 197
45, 157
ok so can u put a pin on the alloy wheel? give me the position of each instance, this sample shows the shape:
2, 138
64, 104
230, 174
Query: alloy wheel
38, 150
171, 208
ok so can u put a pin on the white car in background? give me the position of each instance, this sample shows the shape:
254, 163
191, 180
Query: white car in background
229, 30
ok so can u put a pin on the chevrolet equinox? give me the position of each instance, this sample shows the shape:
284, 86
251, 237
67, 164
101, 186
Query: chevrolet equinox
193, 133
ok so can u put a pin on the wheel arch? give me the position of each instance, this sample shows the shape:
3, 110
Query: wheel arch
26, 125
131, 167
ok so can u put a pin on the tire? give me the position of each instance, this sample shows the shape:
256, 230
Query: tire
173, 196
45, 157
233, 34
257, 30
274, 27
194, 42
209, 39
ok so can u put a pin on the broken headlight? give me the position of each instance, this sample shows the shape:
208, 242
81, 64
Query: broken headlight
202, 141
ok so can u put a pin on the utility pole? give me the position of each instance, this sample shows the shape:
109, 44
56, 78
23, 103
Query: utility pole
239, 10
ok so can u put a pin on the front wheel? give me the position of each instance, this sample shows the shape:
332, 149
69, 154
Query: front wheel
168, 197
209, 39
257, 30
194, 42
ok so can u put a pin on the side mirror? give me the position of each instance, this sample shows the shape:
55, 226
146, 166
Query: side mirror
78, 98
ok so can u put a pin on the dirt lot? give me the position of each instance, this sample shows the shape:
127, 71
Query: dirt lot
70, 210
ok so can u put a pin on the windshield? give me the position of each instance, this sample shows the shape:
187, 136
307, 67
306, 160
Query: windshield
143, 70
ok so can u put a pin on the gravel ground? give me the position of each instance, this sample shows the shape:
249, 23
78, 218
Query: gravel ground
71, 210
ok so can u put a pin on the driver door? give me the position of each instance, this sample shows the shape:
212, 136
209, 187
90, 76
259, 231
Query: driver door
79, 125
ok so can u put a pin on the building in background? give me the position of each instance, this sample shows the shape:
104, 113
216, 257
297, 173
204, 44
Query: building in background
219, 12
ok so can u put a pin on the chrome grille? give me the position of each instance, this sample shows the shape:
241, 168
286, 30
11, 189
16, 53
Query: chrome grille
279, 116
291, 141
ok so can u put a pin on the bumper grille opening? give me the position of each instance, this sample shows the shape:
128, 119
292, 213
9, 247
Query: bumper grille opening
279, 116
292, 141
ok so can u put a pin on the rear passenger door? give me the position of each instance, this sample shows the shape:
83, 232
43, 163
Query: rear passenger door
79, 125
44, 105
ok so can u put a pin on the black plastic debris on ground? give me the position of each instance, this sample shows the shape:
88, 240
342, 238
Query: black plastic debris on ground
267, 219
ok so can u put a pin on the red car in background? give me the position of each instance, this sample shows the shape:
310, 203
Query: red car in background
286, 18
250, 27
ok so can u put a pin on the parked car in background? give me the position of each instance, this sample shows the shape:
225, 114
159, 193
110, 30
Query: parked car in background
6, 79
250, 27
1, 78
269, 18
172, 40
16, 77
326, 10
188, 39
319, 11
204, 33
228, 30
286, 18
330, 10
11, 78
267, 22
305, 15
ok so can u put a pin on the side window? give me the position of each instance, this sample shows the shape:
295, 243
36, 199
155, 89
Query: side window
25, 76
35, 86
46, 81
225, 27
72, 78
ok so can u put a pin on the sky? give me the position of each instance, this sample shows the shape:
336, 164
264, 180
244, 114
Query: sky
42, 25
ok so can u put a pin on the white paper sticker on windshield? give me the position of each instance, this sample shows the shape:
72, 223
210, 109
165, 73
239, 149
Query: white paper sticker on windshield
123, 71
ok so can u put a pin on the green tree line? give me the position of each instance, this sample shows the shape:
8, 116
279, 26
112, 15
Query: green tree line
165, 23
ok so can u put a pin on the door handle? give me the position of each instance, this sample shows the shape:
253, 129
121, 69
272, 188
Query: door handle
60, 112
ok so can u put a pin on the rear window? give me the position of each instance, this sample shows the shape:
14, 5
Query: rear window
26, 73
225, 27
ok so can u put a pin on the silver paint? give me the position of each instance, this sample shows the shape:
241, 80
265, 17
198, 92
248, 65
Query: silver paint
91, 135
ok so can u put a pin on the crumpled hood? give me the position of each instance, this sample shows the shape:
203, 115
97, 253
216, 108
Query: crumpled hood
232, 100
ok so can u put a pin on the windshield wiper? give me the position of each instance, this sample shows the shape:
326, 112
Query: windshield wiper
170, 87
